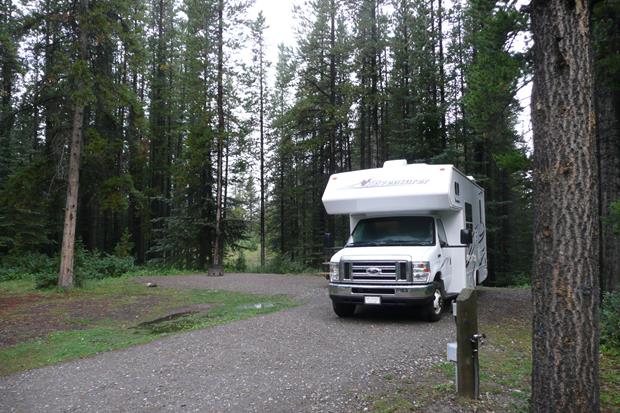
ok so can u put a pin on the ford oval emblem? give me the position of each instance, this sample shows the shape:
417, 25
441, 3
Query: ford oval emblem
373, 271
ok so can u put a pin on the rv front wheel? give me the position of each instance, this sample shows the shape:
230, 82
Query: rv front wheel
435, 306
344, 310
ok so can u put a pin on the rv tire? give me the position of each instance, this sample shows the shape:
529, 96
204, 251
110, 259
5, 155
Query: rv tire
344, 309
435, 306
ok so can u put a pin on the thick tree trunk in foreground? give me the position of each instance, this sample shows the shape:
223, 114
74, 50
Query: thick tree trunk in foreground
65, 278
566, 247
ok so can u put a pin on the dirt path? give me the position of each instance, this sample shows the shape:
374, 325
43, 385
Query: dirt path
301, 360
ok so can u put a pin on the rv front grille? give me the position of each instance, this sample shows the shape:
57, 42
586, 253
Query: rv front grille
375, 272
373, 291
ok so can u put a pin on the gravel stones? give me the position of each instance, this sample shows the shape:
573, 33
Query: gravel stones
304, 359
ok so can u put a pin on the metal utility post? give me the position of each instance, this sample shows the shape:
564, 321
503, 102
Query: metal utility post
466, 331
476, 341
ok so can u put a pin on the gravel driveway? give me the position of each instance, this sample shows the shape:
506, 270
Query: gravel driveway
304, 359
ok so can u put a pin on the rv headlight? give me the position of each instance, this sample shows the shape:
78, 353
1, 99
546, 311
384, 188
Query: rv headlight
421, 271
334, 271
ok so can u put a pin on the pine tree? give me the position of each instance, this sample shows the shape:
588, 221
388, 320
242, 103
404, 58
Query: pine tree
195, 178
162, 12
81, 95
281, 137
9, 66
565, 345
370, 42
135, 60
492, 80
320, 121
260, 66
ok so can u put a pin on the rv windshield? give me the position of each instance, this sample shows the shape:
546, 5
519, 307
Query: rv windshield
393, 231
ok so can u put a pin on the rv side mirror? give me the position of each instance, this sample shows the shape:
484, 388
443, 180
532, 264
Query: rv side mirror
466, 237
328, 240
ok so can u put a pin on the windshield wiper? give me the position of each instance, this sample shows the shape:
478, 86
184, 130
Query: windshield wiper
363, 244
388, 243
408, 242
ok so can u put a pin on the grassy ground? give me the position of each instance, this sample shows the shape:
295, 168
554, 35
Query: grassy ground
610, 380
505, 365
46, 327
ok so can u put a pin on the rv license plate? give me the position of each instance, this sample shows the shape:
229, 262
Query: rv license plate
372, 300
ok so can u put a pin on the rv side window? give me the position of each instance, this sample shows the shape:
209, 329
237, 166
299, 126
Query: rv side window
469, 219
456, 188
468, 213
441, 233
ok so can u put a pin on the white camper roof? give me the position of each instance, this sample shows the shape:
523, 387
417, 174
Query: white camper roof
397, 187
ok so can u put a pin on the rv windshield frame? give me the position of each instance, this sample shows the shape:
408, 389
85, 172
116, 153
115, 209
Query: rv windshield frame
374, 236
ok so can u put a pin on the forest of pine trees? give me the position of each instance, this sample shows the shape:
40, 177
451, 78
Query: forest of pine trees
192, 142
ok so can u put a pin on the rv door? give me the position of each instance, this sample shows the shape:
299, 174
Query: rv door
446, 256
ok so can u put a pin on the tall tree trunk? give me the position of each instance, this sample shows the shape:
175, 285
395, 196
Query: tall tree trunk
333, 127
66, 279
50, 105
461, 104
261, 80
217, 259
442, 77
7, 74
374, 70
565, 272
362, 127
281, 181
160, 107
133, 143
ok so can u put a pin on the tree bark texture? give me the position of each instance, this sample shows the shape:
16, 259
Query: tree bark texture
65, 278
566, 247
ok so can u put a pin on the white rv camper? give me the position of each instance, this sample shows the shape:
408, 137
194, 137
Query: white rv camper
417, 236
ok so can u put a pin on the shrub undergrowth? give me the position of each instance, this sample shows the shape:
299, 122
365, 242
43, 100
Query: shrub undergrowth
43, 269
279, 265
610, 320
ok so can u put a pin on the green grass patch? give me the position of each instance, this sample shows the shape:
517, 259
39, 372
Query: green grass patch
19, 286
388, 376
506, 360
247, 259
610, 379
104, 325
396, 403
505, 377
66, 345
505, 365
448, 369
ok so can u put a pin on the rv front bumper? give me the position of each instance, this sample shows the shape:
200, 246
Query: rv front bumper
390, 294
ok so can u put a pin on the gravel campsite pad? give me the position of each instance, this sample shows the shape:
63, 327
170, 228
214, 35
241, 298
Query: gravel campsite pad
304, 359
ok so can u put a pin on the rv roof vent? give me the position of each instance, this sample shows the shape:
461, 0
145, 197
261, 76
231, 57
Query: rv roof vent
395, 164
471, 178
